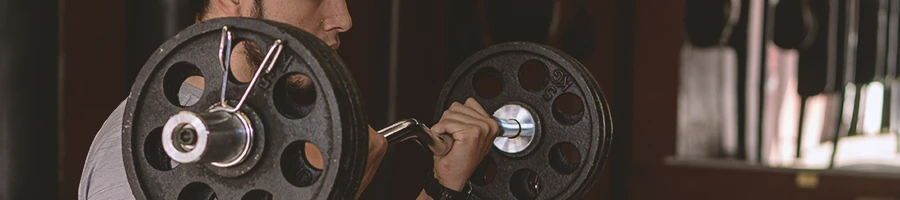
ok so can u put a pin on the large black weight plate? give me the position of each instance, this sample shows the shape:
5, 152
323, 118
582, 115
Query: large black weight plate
274, 169
589, 132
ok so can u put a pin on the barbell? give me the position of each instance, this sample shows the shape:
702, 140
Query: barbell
246, 140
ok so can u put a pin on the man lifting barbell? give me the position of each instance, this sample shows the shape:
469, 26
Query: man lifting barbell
469, 124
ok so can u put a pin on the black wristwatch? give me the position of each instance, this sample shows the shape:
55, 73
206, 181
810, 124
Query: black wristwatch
439, 192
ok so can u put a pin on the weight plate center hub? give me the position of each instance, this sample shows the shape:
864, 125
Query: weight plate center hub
521, 134
219, 137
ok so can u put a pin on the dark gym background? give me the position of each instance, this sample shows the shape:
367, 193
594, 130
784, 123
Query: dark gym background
65, 65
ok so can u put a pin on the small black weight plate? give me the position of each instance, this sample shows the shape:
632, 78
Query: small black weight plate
334, 121
570, 145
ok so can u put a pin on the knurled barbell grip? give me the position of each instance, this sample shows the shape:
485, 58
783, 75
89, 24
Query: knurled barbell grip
437, 144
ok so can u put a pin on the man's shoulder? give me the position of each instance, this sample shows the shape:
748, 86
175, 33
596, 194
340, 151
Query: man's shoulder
103, 176
110, 132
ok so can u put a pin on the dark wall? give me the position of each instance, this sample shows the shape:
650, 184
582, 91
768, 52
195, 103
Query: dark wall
93, 38
149, 24
29, 139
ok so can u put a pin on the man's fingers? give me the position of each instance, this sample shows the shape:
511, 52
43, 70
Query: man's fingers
460, 131
460, 116
493, 127
471, 103
466, 109
480, 122
444, 126
449, 125
439, 128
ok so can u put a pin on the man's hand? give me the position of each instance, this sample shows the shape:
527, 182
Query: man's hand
377, 147
473, 133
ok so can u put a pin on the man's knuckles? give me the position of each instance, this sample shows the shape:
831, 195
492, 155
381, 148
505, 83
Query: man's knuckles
444, 116
456, 106
468, 135
495, 129
484, 127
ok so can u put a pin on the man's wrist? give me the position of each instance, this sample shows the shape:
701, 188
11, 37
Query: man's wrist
453, 182
439, 191
423, 195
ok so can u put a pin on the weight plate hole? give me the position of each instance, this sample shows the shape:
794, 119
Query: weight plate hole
487, 83
258, 195
525, 184
485, 172
294, 95
565, 158
302, 163
245, 59
533, 75
197, 190
154, 153
568, 109
182, 78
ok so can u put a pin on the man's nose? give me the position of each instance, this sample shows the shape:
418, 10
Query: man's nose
337, 18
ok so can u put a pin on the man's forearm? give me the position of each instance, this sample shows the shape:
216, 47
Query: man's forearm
377, 149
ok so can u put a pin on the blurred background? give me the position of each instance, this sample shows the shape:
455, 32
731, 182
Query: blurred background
711, 99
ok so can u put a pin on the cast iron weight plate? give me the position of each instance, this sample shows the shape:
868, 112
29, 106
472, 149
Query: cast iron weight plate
275, 168
572, 142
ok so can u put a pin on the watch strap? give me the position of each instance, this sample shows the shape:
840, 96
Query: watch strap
436, 191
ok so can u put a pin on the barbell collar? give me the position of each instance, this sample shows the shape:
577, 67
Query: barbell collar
218, 137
